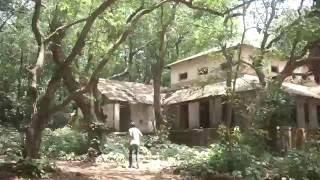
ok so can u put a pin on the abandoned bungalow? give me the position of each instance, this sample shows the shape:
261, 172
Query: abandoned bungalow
203, 106
125, 102
197, 101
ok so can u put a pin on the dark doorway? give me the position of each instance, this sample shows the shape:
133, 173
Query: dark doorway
184, 116
124, 117
306, 114
204, 114
318, 114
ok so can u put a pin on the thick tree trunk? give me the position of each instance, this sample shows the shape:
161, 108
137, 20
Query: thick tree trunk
156, 96
33, 140
229, 95
88, 107
314, 59
40, 118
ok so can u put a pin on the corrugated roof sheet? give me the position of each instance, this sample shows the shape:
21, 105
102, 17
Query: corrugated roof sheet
123, 91
245, 83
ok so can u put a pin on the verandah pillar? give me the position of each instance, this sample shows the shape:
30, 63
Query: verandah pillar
194, 116
215, 108
301, 122
313, 115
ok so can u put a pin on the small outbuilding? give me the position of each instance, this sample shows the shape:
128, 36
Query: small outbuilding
125, 102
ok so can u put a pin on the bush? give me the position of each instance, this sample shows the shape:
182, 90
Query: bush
10, 141
240, 156
29, 168
62, 142
237, 160
150, 141
298, 165
276, 108
231, 157
153, 147
178, 152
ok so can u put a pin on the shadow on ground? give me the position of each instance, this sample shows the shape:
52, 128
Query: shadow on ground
92, 171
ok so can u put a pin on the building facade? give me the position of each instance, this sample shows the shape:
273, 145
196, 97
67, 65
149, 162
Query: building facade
200, 105
125, 102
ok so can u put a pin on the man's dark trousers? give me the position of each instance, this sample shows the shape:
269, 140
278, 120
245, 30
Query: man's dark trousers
135, 148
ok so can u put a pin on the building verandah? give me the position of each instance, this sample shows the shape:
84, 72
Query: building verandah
307, 112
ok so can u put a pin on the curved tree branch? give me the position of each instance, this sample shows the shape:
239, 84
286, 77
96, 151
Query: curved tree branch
213, 11
122, 38
35, 22
63, 28
77, 48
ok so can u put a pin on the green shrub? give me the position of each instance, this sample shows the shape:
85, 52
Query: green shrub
276, 108
10, 141
150, 141
62, 142
39, 168
231, 156
153, 147
298, 165
178, 152
236, 160
242, 156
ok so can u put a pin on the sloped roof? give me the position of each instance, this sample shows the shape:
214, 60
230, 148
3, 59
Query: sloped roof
209, 51
134, 93
123, 91
300, 90
245, 83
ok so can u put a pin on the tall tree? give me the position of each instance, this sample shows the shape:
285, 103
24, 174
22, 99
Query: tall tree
157, 68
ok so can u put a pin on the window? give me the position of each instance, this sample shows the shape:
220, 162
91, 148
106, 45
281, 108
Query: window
183, 76
274, 69
203, 71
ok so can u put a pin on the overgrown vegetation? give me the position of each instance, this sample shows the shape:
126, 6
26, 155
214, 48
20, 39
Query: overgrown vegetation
64, 143
52, 54
250, 155
238, 157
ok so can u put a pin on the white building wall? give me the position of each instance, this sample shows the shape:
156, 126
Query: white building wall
116, 117
191, 68
108, 109
194, 115
212, 61
143, 116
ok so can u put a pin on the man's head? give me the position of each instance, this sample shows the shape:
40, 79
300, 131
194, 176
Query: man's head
132, 124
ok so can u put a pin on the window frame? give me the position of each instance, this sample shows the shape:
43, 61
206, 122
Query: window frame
183, 76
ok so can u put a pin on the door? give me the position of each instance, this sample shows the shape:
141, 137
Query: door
124, 117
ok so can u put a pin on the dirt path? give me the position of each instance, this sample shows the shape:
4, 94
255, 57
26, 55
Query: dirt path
99, 171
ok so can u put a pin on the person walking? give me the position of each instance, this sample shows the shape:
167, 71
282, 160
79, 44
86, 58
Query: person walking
135, 135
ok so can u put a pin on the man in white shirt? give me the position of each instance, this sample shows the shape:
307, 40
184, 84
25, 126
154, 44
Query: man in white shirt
135, 134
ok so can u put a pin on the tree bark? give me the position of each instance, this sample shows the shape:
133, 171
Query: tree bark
229, 96
156, 94
33, 132
314, 59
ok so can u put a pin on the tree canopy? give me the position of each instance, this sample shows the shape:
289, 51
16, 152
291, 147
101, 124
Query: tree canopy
52, 53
